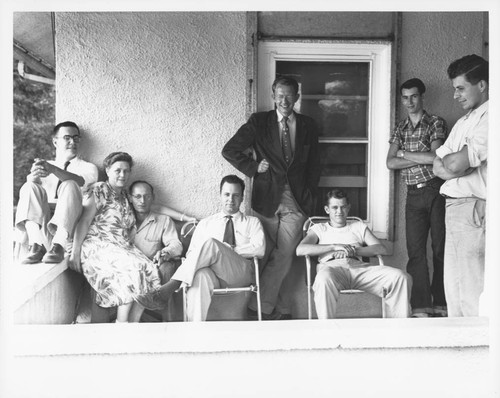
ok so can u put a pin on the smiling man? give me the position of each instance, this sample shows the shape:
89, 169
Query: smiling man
285, 171
340, 247
462, 162
54, 186
219, 255
413, 148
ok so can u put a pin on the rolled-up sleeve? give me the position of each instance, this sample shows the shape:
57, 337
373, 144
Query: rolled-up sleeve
477, 144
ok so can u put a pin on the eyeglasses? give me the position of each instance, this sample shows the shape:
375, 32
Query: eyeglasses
289, 98
68, 138
139, 197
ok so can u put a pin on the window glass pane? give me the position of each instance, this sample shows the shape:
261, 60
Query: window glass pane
343, 159
335, 94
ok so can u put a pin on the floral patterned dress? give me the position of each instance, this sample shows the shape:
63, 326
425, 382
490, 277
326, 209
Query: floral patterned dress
114, 267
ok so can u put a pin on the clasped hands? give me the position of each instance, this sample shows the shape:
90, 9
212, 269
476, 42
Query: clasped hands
162, 255
41, 169
343, 251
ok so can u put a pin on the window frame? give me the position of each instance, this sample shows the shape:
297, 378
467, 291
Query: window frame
379, 56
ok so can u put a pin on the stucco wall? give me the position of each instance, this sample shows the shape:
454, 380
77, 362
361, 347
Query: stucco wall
169, 88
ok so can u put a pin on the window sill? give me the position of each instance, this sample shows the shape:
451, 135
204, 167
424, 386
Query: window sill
211, 337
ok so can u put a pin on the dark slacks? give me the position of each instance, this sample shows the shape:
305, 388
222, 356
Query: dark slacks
425, 210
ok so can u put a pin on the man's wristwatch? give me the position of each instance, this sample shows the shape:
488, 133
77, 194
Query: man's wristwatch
402, 154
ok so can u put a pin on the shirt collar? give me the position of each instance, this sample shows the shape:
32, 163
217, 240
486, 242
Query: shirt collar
291, 118
480, 110
236, 216
424, 120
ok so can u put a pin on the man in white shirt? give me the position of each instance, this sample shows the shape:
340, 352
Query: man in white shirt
462, 162
54, 185
340, 247
218, 256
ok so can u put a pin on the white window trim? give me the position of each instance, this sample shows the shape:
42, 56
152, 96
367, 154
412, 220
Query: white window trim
378, 54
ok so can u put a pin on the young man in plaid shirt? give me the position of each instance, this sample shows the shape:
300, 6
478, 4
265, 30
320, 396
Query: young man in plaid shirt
413, 145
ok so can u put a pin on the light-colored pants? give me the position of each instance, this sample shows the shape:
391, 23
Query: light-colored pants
464, 255
330, 280
283, 234
210, 266
33, 205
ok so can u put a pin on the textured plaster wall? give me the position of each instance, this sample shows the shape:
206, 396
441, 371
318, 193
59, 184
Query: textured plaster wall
169, 88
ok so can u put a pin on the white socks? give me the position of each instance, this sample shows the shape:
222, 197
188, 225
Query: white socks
34, 232
60, 237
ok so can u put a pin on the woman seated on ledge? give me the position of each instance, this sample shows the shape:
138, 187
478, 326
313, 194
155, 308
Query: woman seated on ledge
103, 247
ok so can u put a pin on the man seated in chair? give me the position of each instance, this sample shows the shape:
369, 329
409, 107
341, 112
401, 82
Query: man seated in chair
218, 255
155, 233
340, 247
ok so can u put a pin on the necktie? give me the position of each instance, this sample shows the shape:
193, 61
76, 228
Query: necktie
59, 182
285, 141
229, 232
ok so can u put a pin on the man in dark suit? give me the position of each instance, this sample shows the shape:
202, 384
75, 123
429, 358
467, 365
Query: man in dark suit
285, 172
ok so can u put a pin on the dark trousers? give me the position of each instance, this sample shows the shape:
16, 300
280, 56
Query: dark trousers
425, 210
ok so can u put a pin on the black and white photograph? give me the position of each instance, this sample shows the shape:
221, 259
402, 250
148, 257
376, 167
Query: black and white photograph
255, 199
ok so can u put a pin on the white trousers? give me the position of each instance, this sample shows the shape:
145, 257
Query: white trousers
208, 267
464, 255
330, 280
33, 205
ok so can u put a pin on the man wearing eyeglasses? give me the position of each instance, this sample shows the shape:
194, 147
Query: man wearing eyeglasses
155, 233
285, 171
50, 202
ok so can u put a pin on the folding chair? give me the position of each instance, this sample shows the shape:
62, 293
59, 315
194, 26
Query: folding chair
307, 226
187, 229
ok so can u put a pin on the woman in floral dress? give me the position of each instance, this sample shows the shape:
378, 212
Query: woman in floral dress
103, 247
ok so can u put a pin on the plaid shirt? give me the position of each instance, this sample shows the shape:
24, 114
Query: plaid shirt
418, 139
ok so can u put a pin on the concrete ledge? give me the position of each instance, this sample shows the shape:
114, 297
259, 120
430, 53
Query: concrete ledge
213, 337
32, 278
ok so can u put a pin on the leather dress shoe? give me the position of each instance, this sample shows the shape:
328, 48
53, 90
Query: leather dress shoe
273, 316
35, 254
55, 254
152, 300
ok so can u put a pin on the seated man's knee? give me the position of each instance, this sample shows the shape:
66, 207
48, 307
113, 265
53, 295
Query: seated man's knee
205, 277
324, 280
69, 186
29, 187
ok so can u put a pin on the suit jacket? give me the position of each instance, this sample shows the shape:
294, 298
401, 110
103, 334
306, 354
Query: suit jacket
261, 133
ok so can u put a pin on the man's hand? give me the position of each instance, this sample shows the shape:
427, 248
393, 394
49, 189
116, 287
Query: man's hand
40, 169
263, 166
347, 249
161, 255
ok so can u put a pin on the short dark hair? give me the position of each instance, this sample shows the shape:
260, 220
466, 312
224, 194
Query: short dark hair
337, 194
232, 179
473, 67
131, 188
414, 82
286, 81
56, 128
117, 157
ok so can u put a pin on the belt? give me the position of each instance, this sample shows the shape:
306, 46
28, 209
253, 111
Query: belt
417, 186
431, 183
